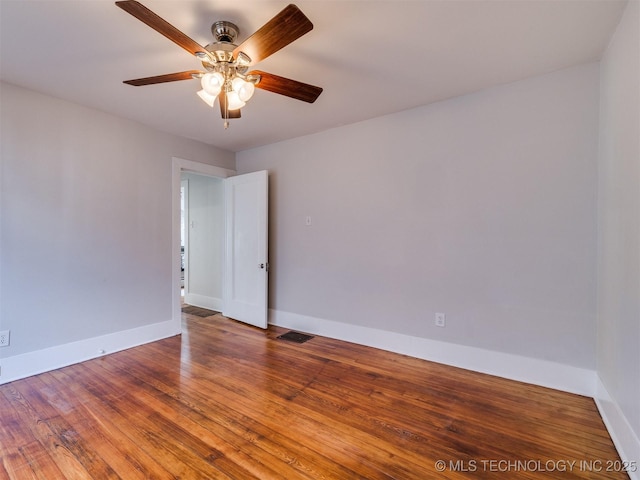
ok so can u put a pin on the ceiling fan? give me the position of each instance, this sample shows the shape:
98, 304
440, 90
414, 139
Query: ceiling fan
226, 74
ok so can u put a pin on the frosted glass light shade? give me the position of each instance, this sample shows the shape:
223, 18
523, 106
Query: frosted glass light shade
233, 101
243, 88
212, 83
208, 99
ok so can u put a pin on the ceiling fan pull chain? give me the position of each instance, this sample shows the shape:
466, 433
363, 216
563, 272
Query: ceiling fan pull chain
226, 110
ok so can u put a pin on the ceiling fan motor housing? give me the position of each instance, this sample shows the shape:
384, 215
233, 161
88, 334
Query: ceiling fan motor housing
224, 31
221, 51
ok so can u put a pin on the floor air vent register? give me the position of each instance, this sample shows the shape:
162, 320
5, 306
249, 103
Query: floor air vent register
295, 337
199, 312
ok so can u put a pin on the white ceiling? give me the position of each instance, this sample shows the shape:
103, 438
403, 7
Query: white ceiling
371, 57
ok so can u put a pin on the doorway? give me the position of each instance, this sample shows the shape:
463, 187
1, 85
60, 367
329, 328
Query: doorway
180, 166
202, 240
245, 258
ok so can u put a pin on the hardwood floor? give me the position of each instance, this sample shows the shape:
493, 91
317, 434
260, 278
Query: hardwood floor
226, 400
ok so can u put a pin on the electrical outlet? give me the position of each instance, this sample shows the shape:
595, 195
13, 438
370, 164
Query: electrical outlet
440, 320
4, 338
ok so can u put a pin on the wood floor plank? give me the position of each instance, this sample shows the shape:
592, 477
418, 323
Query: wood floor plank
230, 401
129, 416
264, 433
126, 458
306, 418
42, 465
51, 431
162, 405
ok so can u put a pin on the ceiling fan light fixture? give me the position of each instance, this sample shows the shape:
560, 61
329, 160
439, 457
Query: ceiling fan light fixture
208, 99
212, 83
243, 88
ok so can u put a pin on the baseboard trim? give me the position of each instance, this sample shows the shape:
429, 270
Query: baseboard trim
524, 369
623, 436
202, 301
40, 361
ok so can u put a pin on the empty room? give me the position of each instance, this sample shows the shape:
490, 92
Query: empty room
336, 239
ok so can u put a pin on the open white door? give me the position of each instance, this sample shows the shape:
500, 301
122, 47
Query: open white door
246, 202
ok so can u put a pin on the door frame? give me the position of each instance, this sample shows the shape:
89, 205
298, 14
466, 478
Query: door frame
178, 166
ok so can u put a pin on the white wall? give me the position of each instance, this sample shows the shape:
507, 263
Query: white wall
619, 232
205, 241
482, 207
86, 221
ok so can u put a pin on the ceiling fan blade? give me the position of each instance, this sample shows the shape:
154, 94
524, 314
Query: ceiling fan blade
286, 86
226, 114
169, 77
160, 25
287, 26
